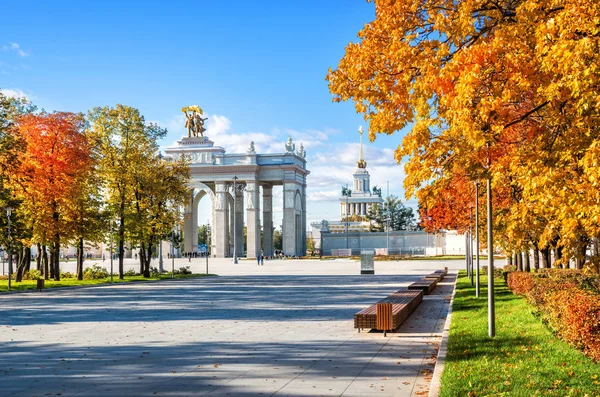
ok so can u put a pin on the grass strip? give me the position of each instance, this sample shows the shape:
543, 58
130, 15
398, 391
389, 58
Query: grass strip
524, 359
73, 282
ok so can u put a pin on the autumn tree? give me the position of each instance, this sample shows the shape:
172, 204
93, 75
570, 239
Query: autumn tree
11, 148
501, 90
124, 143
158, 192
47, 177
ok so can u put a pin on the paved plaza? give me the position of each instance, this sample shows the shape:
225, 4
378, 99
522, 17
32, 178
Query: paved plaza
283, 329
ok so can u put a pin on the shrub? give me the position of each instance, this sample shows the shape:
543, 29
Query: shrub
154, 272
95, 272
568, 301
183, 270
520, 283
32, 274
498, 273
130, 272
67, 275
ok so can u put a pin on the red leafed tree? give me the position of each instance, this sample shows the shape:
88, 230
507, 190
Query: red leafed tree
50, 172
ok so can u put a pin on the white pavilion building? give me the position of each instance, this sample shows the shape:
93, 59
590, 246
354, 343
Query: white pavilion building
361, 197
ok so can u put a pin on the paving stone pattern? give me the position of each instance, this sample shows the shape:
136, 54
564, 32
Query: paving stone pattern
245, 335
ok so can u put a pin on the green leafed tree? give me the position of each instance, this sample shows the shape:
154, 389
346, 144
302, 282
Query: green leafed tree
125, 145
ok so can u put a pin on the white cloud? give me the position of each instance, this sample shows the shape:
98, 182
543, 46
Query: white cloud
16, 48
217, 125
14, 93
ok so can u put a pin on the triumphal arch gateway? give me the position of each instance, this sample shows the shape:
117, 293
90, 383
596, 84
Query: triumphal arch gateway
212, 173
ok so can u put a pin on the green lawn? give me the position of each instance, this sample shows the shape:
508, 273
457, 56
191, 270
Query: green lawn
524, 359
72, 282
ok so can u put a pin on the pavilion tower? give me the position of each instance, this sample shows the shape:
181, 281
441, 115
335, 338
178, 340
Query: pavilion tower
360, 198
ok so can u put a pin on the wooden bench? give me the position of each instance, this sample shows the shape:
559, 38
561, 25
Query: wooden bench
437, 276
425, 284
388, 313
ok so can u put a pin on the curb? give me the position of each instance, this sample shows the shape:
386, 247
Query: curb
76, 287
436, 380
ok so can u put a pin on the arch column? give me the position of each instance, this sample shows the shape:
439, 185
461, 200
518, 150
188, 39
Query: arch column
289, 218
221, 227
268, 220
239, 223
189, 223
253, 219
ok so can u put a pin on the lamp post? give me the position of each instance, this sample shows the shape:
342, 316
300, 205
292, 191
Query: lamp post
490, 246
477, 239
471, 245
8, 246
491, 308
207, 244
173, 253
387, 220
111, 250
347, 193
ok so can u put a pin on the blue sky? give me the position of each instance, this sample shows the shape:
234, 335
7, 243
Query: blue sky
256, 68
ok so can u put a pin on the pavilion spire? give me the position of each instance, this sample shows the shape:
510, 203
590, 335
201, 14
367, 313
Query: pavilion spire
361, 163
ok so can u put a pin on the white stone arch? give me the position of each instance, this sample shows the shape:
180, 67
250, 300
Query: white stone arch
198, 190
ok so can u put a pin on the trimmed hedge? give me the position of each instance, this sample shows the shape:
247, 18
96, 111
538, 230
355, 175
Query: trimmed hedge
567, 301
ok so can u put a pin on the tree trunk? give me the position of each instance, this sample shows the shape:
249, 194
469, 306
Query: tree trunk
509, 258
23, 263
121, 240
559, 255
38, 259
526, 257
519, 262
57, 259
581, 256
51, 259
147, 261
142, 258
545, 257
80, 259
536, 257
45, 264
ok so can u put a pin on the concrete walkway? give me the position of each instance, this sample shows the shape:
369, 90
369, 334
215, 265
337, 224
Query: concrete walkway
239, 335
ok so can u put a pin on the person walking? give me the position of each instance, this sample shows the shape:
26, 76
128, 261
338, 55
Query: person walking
258, 259
262, 258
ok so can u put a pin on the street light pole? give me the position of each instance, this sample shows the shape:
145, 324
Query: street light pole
9, 246
491, 308
471, 245
235, 259
477, 239
207, 242
111, 250
347, 214
387, 220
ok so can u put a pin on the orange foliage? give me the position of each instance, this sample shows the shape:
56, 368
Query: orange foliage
51, 167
